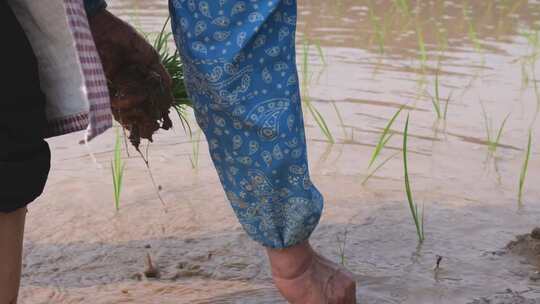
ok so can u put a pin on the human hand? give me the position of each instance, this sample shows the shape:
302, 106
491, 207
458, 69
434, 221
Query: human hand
305, 277
139, 84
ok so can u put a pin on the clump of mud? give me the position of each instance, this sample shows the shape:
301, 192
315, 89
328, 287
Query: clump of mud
141, 109
508, 297
527, 245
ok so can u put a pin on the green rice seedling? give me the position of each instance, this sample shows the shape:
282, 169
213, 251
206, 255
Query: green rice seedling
524, 167
322, 57
320, 51
418, 216
487, 123
194, 159
493, 142
514, 7
338, 7
525, 79
535, 83
471, 30
320, 120
537, 94
342, 243
126, 139
379, 166
117, 167
317, 116
384, 138
474, 37
403, 6
533, 41
173, 65
379, 28
421, 46
442, 39
340, 118
436, 101
306, 79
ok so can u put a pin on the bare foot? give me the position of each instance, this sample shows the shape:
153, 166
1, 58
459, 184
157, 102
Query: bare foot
305, 277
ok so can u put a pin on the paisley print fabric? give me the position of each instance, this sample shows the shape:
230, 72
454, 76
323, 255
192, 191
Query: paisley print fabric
239, 60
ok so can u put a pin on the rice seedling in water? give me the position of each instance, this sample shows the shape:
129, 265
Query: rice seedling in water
319, 119
342, 243
418, 216
322, 57
117, 167
340, 118
474, 37
471, 31
385, 137
525, 79
421, 46
442, 39
492, 141
524, 168
194, 159
436, 101
364, 181
402, 5
380, 29
320, 51
533, 40
495, 143
537, 94
514, 8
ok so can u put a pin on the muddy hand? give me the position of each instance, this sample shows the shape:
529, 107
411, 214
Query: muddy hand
305, 277
121, 48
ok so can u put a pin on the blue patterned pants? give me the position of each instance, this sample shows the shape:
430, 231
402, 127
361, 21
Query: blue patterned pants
239, 60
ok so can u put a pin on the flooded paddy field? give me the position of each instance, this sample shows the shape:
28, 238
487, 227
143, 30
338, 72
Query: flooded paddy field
466, 73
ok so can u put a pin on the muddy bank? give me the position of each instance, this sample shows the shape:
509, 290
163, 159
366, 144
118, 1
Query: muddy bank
528, 246
510, 297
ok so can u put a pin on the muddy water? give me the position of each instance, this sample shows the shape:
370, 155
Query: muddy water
79, 250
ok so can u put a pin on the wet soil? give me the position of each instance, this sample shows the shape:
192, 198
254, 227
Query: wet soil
78, 249
528, 246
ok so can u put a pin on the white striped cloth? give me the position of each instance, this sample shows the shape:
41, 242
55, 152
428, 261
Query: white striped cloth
95, 80
71, 73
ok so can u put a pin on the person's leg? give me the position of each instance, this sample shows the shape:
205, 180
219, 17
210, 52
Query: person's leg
303, 276
11, 240
24, 155
240, 69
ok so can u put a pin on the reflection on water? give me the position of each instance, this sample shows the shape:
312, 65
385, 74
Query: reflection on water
377, 56
382, 54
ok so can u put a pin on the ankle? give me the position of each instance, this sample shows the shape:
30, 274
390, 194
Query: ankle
290, 263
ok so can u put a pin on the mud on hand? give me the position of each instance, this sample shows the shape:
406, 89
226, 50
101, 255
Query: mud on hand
139, 85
